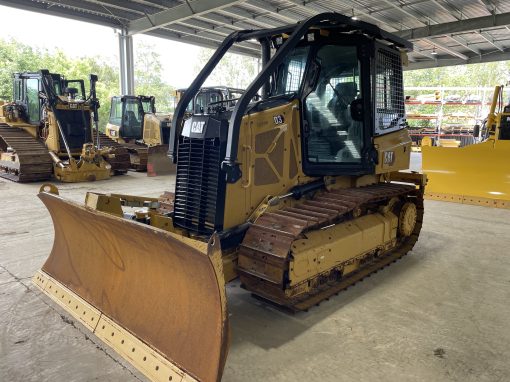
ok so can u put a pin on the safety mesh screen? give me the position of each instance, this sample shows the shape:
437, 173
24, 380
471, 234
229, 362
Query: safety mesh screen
295, 74
389, 93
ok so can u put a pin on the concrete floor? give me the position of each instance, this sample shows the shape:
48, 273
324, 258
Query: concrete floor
439, 314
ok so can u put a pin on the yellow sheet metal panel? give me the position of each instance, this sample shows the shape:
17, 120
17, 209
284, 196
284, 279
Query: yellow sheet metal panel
270, 157
103, 203
151, 283
324, 249
393, 151
82, 171
480, 171
112, 132
448, 143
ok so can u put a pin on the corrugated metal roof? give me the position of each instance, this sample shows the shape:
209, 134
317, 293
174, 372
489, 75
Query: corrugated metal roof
445, 32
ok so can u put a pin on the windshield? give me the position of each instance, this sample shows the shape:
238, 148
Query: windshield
57, 88
132, 119
77, 84
204, 98
116, 111
33, 103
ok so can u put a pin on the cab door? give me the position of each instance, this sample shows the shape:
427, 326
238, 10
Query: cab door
32, 101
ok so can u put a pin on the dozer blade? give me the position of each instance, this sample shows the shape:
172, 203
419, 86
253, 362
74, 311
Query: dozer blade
476, 174
156, 299
158, 162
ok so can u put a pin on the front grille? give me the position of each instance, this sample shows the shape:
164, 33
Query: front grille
75, 125
199, 189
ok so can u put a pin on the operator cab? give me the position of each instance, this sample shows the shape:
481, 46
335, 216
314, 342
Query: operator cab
27, 93
128, 113
330, 75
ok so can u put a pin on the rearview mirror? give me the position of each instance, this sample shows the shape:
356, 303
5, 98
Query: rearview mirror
357, 110
476, 131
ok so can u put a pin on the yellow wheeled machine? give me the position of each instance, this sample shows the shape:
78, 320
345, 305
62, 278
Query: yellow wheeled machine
47, 131
135, 125
476, 174
299, 195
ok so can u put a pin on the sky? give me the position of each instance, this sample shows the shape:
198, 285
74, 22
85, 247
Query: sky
78, 39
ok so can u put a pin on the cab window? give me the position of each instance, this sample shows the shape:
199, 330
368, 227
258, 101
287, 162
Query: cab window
132, 122
33, 102
203, 99
289, 75
116, 111
147, 106
18, 90
57, 88
333, 136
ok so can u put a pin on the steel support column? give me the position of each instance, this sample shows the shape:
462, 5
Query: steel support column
126, 64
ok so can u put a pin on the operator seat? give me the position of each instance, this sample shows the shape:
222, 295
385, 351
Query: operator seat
131, 125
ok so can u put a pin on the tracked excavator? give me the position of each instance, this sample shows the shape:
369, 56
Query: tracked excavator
299, 195
136, 126
476, 174
48, 130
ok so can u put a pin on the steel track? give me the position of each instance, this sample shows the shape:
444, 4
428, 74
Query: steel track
120, 162
31, 160
275, 254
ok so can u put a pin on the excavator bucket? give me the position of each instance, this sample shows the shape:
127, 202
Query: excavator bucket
156, 298
475, 174
158, 162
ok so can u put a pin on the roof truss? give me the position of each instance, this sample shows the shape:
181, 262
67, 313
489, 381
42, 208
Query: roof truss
478, 30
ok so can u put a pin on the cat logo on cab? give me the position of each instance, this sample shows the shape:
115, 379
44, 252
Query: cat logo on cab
197, 127
389, 157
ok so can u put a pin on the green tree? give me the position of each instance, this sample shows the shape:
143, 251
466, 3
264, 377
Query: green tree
475, 75
18, 57
148, 77
233, 70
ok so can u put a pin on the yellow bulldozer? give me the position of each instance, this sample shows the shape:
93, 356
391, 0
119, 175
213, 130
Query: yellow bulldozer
48, 130
477, 174
210, 97
299, 195
136, 126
